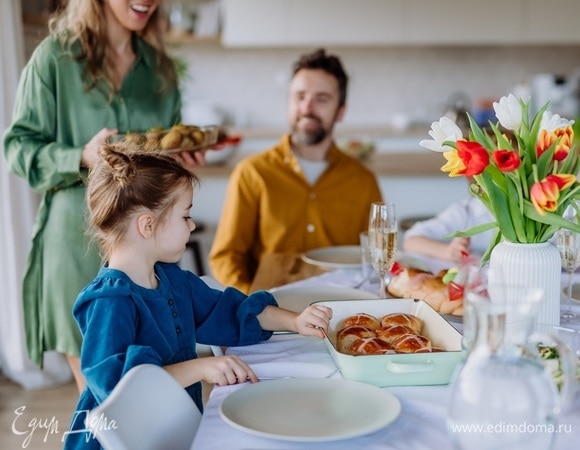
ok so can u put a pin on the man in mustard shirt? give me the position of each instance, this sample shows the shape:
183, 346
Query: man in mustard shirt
304, 193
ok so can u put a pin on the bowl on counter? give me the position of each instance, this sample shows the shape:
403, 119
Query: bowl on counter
357, 148
226, 147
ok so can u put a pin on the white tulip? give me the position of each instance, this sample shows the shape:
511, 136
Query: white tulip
442, 131
509, 112
551, 122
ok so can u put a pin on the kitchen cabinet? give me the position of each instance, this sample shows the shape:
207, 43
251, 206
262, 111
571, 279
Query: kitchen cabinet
307, 22
272, 23
554, 22
460, 22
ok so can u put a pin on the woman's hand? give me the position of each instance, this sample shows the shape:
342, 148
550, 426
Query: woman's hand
190, 160
90, 155
313, 320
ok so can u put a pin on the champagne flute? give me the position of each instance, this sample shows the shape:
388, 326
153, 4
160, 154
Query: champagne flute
569, 246
382, 240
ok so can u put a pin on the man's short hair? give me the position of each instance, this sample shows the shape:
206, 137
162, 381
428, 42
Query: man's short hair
331, 64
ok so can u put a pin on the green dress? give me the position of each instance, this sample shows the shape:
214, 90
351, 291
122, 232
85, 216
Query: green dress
54, 117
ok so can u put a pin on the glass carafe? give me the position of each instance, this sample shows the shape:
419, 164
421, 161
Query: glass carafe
503, 395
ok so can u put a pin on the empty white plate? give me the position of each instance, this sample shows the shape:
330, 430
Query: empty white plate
310, 409
298, 298
336, 257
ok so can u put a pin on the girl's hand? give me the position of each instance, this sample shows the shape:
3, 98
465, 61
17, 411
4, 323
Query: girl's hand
225, 370
312, 319
90, 155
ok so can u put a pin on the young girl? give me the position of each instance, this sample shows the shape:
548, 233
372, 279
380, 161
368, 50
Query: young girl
142, 308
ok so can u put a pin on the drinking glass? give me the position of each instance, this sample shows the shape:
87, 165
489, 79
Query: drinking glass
382, 241
569, 247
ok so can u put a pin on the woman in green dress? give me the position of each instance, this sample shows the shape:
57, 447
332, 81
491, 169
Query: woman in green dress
101, 71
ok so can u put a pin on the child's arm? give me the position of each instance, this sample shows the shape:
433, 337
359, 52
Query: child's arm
306, 323
220, 370
447, 251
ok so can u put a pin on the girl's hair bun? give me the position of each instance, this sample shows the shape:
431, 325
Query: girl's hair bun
121, 165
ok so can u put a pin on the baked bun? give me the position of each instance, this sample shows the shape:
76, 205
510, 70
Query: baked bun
413, 322
454, 307
390, 334
411, 343
346, 336
429, 350
371, 346
362, 319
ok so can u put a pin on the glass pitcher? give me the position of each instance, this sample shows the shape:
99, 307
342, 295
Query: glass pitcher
503, 396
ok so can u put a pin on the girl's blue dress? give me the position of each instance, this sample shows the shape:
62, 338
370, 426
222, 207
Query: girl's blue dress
124, 325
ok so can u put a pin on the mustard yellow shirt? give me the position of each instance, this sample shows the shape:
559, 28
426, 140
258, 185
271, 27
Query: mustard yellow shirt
270, 207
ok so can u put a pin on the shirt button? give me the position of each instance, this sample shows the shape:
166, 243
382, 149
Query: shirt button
310, 228
170, 301
121, 100
178, 330
312, 196
174, 314
297, 168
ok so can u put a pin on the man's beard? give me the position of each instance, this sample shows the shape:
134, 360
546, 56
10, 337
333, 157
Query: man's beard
311, 136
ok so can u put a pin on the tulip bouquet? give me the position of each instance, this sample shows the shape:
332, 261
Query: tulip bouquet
524, 169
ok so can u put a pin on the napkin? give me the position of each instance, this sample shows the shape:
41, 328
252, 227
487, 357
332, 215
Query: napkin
275, 370
288, 356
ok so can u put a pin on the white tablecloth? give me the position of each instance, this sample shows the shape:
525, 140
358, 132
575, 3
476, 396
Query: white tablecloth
421, 424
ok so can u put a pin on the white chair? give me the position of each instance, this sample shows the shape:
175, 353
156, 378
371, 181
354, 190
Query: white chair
151, 411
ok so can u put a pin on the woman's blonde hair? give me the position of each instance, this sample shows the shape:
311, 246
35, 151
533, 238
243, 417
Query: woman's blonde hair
83, 21
124, 183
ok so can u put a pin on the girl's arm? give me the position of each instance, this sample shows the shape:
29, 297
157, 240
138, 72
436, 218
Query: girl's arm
308, 322
220, 370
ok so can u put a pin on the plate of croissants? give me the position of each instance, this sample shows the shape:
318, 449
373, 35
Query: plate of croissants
441, 293
393, 342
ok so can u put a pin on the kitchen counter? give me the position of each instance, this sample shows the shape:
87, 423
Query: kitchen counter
397, 164
398, 153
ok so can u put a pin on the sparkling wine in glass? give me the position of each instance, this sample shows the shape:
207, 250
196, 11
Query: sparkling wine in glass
569, 246
383, 240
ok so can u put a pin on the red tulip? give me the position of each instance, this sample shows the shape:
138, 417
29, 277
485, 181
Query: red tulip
506, 160
564, 138
545, 194
474, 157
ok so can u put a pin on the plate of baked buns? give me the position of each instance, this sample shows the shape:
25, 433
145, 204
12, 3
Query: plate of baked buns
178, 138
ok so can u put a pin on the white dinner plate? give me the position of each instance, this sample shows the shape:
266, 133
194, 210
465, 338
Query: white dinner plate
298, 298
337, 257
310, 409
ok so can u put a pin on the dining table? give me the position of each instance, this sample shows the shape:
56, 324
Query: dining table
422, 421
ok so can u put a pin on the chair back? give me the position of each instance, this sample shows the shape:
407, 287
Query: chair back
150, 410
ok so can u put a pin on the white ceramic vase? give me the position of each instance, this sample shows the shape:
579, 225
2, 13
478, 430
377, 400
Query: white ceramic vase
532, 265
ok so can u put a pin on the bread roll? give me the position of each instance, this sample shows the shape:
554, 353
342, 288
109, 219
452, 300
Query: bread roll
454, 307
390, 334
408, 320
416, 283
346, 336
411, 343
371, 346
429, 350
362, 319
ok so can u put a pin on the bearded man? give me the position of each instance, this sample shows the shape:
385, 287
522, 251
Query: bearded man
304, 193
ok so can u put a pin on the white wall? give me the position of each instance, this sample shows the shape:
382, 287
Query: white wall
250, 84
